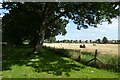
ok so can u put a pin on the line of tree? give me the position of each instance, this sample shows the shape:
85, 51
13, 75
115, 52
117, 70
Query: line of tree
37, 21
104, 40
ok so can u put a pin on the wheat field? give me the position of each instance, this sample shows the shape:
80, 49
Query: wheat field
111, 49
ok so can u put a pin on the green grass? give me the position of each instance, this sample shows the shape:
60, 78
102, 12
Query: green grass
108, 62
21, 63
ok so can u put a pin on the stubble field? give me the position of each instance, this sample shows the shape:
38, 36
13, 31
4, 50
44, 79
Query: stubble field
111, 49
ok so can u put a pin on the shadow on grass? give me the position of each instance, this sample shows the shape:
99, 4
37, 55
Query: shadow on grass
45, 61
17, 56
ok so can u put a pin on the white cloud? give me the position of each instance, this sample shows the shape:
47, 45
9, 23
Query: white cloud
0, 5
99, 30
102, 30
1, 15
1, 0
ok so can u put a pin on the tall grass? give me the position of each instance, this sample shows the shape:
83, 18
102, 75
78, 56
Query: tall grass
109, 62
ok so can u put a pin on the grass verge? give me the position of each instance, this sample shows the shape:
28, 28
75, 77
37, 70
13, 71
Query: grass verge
21, 63
104, 61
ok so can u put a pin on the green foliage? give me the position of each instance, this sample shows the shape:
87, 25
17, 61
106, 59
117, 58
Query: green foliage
98, 40
26, 21
51, 39
105, 40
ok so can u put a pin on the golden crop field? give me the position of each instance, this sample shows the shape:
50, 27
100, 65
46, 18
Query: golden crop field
111, 49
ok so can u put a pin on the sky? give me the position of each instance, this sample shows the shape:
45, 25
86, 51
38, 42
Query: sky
110, 31
2, 10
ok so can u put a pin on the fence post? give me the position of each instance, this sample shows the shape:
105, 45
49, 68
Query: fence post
54, 48
79, 55
45, 46
95, 56
62, 48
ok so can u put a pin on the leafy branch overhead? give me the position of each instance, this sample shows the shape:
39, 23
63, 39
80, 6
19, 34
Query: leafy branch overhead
31, 18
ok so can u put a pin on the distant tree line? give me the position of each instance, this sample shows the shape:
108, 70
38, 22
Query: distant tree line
104, 40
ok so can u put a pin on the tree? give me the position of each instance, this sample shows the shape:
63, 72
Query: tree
26, 23
118, 41
64, 41
71, 41
105, 40
51, 39
90, 41
86, 41
98, 41
37, 21
68, 41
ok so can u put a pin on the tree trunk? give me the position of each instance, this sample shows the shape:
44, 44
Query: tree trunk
39, 43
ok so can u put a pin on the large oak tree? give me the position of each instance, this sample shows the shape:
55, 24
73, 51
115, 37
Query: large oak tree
37, 21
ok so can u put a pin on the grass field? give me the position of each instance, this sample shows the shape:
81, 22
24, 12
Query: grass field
104, 61
107, 53
111, 49
21, 63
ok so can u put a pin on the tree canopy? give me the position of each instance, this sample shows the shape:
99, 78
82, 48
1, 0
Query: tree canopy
36, 21
105, 40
